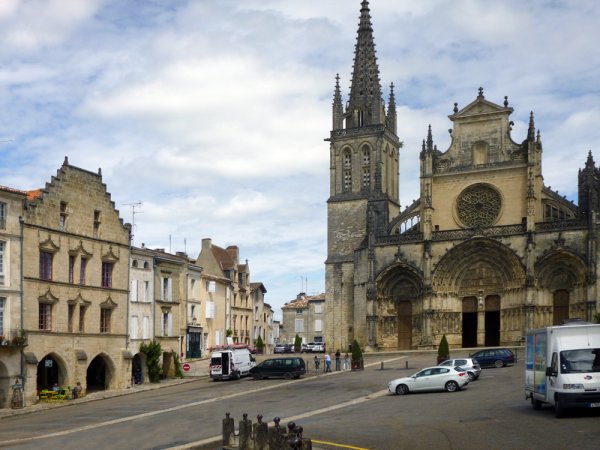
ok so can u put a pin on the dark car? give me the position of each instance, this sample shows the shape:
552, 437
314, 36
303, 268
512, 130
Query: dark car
497, 357
287, 367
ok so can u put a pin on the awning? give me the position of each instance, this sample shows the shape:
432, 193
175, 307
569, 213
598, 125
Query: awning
30, 358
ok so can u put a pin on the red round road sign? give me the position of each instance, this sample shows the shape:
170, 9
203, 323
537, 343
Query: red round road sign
185, 367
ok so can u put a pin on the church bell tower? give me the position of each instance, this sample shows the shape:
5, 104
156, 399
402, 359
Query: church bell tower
364, 170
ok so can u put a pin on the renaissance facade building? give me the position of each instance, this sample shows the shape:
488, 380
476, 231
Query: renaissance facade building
486, 252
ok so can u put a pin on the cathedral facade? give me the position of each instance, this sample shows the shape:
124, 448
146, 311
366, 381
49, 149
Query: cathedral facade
486, 252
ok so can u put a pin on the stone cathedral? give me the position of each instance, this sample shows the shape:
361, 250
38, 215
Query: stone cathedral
486, 252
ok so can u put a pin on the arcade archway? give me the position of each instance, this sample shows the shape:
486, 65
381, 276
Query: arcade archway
99, 374
50, 371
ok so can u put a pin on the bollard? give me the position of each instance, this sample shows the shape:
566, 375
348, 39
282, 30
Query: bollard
245, 433
276, 436
228, 431
261, 434
381, 368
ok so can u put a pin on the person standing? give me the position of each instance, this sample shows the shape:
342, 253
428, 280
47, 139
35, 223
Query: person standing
346, 362
327, 362
338, 356
317, 363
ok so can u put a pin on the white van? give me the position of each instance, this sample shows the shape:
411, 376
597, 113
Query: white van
230, 362
562, 367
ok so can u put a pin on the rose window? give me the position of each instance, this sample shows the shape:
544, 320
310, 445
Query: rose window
478, 206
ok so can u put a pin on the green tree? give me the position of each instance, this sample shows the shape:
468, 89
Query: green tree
356, 351
229, 332
260, 345
443, 350
178, 368
152, 351
297, 343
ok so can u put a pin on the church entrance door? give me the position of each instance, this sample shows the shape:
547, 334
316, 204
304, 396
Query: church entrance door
561, 306
404, 325
469, 322
492, 320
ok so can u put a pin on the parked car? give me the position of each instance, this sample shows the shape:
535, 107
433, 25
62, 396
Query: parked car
287, 367
429, 379
318, 347
279, 348
470, 366
497, 357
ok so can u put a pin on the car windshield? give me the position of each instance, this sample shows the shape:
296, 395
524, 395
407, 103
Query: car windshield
581, 360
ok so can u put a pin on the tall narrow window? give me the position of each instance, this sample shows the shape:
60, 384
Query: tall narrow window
45, 316
82, 310
105, 314
146, 291
134, 291
145, 327
347, 170
2, 249
96, 223
107, 268
70, 317
45, 265
366, 169
2, 215
82, 268
166, 289
62, 220
299, 325
134, 327
167, 324
71, 269
2, 303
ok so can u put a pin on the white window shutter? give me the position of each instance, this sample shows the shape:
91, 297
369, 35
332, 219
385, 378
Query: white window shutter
170, 289
318, 325
145, 327
170, 324
134, 290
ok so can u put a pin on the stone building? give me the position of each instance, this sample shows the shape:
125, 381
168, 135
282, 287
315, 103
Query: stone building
486, 252
262, 317
75, 285
304, 316
11, 368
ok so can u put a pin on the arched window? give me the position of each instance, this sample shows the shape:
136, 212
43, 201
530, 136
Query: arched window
347, 170
366, 167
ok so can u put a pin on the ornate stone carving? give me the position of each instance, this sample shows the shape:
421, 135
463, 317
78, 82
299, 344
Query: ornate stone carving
478, 206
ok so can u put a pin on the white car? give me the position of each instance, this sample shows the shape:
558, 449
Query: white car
430, 379
470, 365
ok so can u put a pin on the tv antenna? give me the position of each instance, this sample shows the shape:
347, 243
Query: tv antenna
133, 213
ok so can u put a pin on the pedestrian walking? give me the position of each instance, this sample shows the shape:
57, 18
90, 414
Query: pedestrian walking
338, 356
327, 362
346, 362
317, 363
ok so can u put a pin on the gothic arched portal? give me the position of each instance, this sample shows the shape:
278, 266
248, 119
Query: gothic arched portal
399, 295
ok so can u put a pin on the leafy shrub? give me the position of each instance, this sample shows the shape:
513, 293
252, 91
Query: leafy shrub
152, 352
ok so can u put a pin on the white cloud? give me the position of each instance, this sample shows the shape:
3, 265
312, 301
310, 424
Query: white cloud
213, 113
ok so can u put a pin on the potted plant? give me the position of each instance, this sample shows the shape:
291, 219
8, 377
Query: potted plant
443, 350
357, 357
260, 345
297, 344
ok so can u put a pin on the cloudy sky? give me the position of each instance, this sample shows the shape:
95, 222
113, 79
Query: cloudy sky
212, 113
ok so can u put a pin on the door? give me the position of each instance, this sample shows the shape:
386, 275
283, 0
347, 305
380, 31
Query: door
404, 325
561, 306
492, 320
469, 322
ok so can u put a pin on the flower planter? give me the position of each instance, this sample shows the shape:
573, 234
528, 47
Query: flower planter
357, 364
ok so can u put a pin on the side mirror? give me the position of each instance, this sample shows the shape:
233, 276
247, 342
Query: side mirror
550, 372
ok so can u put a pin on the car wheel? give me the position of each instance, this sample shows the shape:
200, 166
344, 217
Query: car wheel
288, 376
402, 389
238, 375
535, 403
498, 364
559, 408
472, 376
452, 386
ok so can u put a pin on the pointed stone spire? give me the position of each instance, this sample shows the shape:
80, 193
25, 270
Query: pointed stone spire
338, 108
590, 164
365, 102
391, 112
429, 139
531, 129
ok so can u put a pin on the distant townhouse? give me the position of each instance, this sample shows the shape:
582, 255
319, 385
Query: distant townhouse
11, 369
75, 285
304, 316
260, 326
